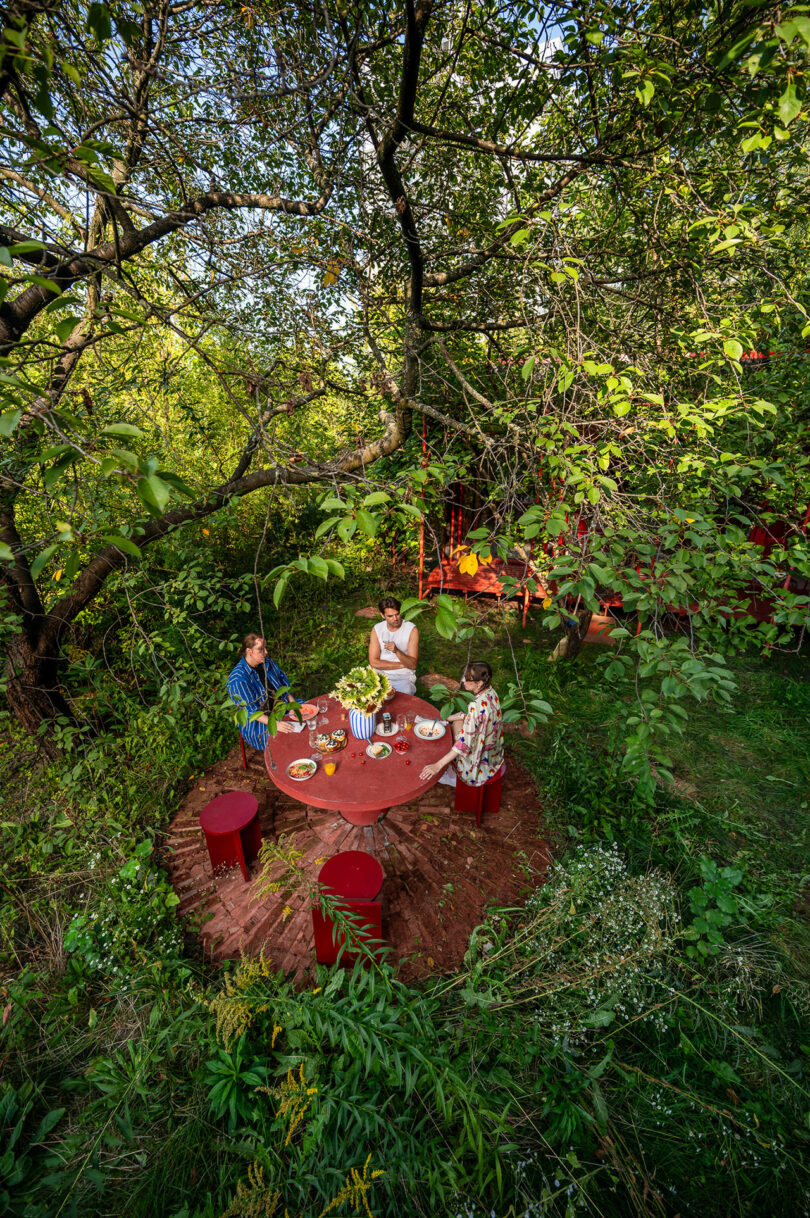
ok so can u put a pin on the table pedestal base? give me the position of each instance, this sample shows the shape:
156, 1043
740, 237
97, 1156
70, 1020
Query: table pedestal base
362, 818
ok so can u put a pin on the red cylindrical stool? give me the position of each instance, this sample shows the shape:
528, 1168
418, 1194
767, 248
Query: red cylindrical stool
232, 831
486, 798
356, 877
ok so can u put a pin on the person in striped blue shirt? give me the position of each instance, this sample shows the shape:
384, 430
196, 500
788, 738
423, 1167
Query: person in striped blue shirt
252, 683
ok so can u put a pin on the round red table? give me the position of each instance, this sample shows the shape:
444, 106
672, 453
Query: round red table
232, 831
362, 788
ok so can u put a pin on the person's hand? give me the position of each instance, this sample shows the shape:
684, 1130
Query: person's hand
284, 728
430, 771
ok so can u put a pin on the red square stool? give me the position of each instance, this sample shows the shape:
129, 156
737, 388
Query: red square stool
232, 831
357, 878
486, 798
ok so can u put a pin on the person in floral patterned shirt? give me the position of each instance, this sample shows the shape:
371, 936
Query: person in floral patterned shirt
477, 735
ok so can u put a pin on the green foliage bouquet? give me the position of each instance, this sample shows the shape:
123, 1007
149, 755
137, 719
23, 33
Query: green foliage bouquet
362, 689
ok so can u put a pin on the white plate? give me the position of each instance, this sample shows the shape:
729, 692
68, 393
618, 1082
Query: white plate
429, 730
303, 761
380, 731
380, 756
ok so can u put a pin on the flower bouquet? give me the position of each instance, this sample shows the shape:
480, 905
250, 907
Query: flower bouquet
361, 693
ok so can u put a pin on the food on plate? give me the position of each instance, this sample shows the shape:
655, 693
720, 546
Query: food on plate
331, 742
428, 731
402, 746
379, 750
301, 769
307, 710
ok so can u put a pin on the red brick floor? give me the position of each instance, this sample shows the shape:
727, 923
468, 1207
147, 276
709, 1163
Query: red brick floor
441, 872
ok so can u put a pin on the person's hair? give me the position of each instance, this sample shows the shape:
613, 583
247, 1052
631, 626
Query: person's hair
389, 602
478, 670
250, 640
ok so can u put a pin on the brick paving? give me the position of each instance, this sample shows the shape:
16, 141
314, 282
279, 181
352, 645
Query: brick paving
441, 872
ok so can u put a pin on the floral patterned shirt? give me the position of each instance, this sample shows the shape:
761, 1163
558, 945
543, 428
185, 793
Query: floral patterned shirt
480, 743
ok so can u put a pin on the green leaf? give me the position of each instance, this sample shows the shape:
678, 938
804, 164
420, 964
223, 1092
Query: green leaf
123, 429
411, 509
5, 553
47, 284
446, 624
347, 528
25, 247
98, 21
788, 105
317, 566
645, 92
280, 589
123, 543
153, 492
367, 522
732, 348
325, 526
8, 421
40, 561
376, 497
599, 1019
65, 328
336, 568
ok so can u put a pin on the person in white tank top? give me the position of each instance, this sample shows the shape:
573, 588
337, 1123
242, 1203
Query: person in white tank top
394, 647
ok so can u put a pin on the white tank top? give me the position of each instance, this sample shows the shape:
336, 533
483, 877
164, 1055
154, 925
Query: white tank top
399, 638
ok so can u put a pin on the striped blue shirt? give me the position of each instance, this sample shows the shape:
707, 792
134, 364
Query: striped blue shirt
246, 687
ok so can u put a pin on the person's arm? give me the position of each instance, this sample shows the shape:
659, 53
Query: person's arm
374, 657
431, 771
407, 659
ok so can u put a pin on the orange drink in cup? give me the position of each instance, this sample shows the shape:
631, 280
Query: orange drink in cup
408, 717
329, 768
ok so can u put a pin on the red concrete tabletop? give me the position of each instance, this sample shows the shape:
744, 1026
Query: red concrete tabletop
353, 874
229, 813
360, 783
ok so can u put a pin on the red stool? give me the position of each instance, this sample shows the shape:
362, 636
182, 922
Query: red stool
232, 831
486, 798
357, 878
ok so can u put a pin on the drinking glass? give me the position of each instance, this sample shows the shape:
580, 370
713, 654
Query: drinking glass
323, 706
313, 748
408, 718
329, 768
401, 723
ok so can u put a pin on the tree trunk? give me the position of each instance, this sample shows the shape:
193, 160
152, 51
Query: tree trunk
33, 692
576, 628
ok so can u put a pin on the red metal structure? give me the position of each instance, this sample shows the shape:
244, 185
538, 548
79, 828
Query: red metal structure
462, 513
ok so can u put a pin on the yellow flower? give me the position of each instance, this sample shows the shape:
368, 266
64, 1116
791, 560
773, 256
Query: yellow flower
317, 989
276, 1029
286, 913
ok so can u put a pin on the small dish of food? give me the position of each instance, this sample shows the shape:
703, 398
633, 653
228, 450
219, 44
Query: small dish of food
301, 769
402, 745
430, 729
378, 751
